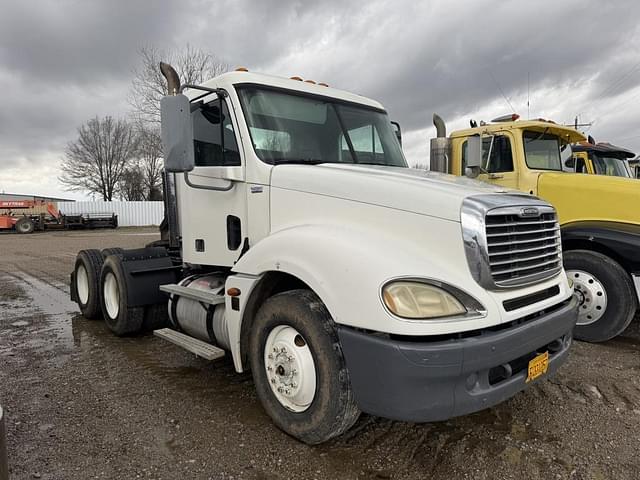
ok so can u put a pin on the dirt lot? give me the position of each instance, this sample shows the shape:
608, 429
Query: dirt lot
82, 404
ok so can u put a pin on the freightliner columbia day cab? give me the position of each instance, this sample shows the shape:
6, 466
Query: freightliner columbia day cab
298, 242
600, 225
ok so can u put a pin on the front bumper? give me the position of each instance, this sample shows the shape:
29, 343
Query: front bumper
432, 381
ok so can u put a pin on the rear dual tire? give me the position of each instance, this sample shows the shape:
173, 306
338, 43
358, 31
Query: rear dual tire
118, 315
87, 282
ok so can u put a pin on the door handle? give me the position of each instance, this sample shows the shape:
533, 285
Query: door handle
494, 176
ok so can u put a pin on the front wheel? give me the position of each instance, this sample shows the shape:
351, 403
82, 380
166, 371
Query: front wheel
25, 225
605, 292
298, 368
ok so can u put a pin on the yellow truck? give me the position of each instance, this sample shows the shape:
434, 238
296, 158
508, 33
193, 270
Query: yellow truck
600, 158
598, 220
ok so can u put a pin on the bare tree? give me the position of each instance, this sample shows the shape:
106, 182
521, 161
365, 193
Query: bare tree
131, 185
150, 157
149, 86
96, 161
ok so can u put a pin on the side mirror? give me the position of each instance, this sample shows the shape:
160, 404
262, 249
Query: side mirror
474, 156
397, 131
177, 133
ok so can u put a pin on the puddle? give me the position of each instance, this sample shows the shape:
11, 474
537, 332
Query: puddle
41, 307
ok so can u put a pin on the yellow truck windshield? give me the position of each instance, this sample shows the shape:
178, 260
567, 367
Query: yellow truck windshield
609, 166
541, 150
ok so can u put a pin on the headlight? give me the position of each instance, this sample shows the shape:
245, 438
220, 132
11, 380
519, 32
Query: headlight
412, 299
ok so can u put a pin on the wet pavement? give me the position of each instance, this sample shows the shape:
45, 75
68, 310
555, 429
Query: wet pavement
82, 404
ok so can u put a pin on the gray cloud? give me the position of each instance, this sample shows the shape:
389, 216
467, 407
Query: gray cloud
63, 62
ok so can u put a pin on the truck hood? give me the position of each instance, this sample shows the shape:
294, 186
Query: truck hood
418, 191
579, 197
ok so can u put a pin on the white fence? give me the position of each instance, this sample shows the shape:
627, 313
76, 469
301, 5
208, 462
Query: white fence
130, 214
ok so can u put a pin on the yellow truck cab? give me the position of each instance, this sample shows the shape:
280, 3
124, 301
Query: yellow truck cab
599, 159
597, 220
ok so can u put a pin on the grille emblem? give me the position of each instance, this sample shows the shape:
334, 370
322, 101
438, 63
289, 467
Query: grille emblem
529, 212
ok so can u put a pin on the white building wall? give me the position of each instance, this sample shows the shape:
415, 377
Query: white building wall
130, 214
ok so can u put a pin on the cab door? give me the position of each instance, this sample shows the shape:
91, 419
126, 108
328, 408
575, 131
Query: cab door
212, 198
497, 158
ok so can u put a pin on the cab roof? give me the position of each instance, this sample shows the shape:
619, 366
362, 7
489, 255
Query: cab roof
603, 148
235, 78
568, 133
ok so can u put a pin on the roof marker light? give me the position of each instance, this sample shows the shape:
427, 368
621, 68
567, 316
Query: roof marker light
296, 78
242, 69
510, 117
322, 84
310, 81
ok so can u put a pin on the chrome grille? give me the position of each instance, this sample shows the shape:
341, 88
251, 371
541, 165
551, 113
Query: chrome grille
522, 248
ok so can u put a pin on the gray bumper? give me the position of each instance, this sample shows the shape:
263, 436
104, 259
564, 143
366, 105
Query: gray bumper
431, 381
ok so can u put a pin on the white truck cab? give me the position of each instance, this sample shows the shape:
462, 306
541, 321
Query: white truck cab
299, 241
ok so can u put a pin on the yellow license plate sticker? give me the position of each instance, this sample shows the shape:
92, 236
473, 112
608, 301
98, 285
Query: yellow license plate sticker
538, 366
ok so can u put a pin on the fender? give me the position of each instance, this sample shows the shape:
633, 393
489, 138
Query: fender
346, 267
619, 240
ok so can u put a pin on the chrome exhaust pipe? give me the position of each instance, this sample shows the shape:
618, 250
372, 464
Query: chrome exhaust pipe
441, 129
440, 152
173, 80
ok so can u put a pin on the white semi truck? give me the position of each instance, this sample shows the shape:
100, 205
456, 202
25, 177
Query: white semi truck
298, 241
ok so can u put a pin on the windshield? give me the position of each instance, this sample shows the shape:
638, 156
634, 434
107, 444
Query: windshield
292, 128
611, 166
541, 150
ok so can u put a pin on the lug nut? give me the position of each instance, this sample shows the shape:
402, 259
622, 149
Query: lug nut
269, 368
273, 380
270, 356
287, 391
294, 385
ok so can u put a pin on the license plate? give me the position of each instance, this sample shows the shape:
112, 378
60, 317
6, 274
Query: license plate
538, 366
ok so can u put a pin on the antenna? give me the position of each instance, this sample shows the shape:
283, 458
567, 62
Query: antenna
528, 98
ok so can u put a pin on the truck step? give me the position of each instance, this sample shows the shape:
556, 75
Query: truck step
197, 295
197, 347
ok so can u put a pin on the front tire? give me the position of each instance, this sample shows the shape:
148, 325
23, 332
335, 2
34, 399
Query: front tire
119, 317
25, 225
607, 296
298, 368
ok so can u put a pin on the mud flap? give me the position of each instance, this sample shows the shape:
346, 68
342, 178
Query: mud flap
145, 270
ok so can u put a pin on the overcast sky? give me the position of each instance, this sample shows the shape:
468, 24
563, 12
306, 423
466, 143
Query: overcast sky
63, 62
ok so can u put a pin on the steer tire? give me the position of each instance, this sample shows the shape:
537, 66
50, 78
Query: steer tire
621, 301
119, 317
25, 225
88, 297
332, 410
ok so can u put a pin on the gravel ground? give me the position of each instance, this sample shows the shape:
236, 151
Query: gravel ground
82, 404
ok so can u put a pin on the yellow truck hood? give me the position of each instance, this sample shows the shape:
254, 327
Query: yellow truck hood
579, 197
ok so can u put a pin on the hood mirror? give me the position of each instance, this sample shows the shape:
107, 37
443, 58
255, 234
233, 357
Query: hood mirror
474, 156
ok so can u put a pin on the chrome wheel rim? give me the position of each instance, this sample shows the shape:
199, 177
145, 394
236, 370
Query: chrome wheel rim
111, 295
290, 368
82, 284
591, 295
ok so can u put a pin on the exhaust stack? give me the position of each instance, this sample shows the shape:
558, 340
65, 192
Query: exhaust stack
173, 80
440, 157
